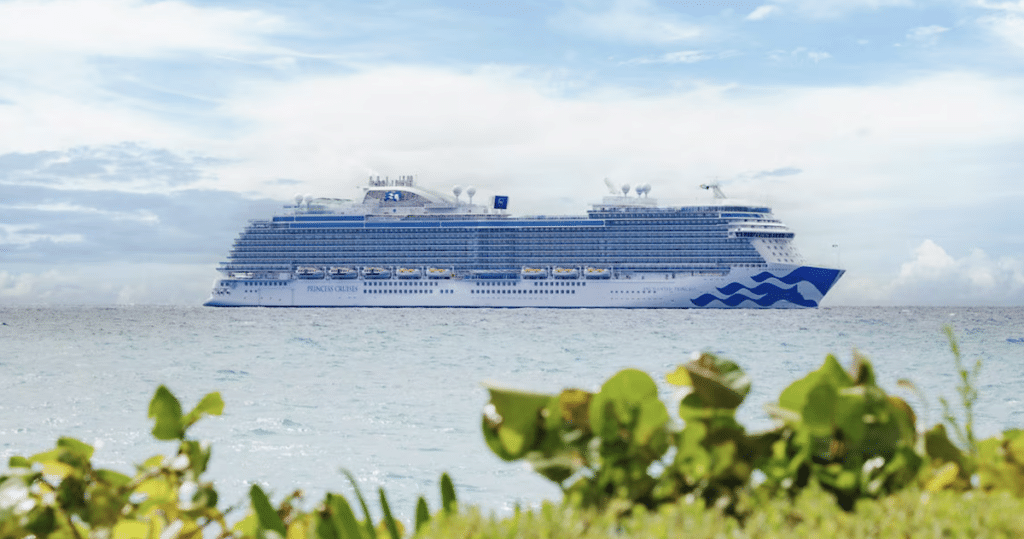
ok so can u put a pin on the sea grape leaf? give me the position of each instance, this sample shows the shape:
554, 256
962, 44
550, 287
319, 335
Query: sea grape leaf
861, 370
719, 382
520, 414
130, 529
574, 408
210, 404
166, 411
794, 397
679, 377
652, 418
75, 447
111, 477
818, 414
943, 477
1014, 445
850, 410
622, 393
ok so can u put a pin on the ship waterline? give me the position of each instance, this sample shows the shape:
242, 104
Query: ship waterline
406, 246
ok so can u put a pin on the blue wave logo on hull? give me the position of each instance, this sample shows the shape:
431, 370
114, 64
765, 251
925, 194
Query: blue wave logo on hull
768, 294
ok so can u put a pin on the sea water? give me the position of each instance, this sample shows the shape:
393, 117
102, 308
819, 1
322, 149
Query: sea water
395, 395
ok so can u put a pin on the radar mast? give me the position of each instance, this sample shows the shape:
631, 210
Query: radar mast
714, 189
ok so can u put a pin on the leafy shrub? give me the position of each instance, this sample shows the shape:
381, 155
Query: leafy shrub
60, 494
618, 448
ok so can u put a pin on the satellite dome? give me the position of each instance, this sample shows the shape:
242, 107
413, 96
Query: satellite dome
298, 199
457, 190
625, 189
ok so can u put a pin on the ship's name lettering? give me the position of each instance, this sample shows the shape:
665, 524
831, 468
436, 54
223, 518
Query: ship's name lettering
316, 288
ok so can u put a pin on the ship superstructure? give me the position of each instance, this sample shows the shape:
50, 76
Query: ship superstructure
402, 245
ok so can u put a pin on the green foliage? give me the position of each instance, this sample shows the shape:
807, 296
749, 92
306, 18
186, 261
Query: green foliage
59, 494
618, 450
909, 514
844, 431
604, 448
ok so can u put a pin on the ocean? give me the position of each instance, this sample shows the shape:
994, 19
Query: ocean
395, 395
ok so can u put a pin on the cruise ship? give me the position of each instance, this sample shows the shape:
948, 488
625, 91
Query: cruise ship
403, 245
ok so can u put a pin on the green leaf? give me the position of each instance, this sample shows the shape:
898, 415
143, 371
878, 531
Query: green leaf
516, 431
112, 478
719, 382
652, 418
422, 513
679, 377
268, 517
389, 521
75, 447
938, 446
166, 411
622, 394
371, 531
342, 518
42, 522
574, 408
211, 404
18, 462
818, 413
448, 501
831, 373
850, 410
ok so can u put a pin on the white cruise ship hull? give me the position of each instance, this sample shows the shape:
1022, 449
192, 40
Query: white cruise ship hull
772, 287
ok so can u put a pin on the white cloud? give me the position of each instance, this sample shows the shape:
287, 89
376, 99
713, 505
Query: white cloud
638, 21
798, 54
926, 35
142, 216
762, 12
836, 8
130, 27
103, 284
935, 277
23, 235
1008, 27
679, 57
1017, 6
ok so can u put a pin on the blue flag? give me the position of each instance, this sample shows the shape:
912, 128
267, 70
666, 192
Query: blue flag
501, 202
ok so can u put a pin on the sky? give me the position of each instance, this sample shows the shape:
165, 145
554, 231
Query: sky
137, 138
